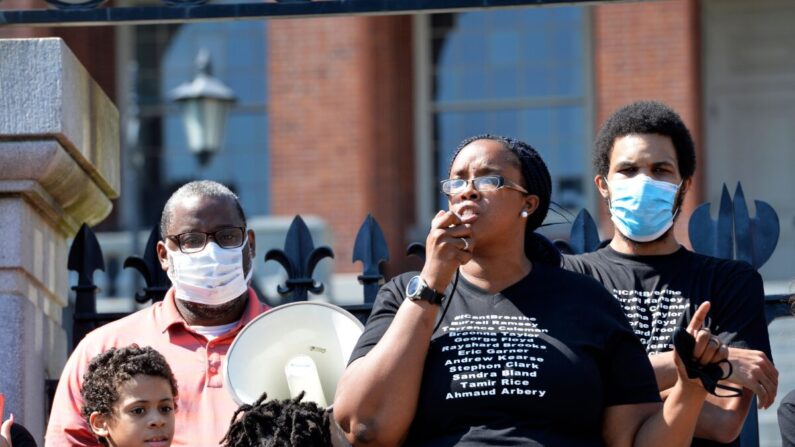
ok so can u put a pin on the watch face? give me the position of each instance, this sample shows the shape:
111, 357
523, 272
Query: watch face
413, 287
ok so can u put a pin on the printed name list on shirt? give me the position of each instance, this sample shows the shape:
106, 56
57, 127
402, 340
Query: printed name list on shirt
494, 355
653, 315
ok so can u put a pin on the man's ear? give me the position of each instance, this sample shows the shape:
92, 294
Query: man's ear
99, 424
601, 186
162, 255
686, 183
252, 245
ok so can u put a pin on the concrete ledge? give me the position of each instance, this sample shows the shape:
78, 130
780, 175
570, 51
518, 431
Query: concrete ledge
52, 181
52, 95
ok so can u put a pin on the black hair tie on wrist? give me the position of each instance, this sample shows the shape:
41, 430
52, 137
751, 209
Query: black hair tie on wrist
709, 374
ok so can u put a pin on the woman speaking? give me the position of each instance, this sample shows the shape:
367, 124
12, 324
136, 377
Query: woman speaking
493, 344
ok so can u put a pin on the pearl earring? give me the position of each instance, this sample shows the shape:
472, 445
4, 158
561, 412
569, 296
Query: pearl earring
524, 214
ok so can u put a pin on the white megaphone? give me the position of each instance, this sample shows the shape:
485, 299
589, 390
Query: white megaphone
294, 347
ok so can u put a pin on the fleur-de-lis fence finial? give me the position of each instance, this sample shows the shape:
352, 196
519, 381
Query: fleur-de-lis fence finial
157, 282
584, 236
416, 249
370, 248
85, 257
713, 237
299, 259
736, 235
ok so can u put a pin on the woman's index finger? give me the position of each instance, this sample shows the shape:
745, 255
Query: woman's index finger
697, 322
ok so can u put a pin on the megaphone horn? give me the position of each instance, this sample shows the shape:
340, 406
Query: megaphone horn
302, 346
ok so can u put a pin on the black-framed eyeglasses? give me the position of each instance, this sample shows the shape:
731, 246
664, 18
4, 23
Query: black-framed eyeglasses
195, 241
485, 183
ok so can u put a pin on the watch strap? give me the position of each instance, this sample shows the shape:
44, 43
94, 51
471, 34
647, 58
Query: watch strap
426, 293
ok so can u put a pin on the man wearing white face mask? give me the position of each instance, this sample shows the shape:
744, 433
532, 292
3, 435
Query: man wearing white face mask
644, 161
207, 252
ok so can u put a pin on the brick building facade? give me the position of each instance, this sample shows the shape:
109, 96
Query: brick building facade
357, 114
341, 105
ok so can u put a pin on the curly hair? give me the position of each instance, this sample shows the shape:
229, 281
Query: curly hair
645, 117
116, 366
537, 181
278, 423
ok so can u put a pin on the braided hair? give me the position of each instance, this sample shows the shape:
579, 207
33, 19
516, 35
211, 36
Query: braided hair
279, 423
538, 182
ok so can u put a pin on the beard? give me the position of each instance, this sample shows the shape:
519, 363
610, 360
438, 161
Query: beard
210, 312
635, 243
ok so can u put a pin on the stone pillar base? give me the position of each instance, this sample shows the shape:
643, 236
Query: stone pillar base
59, 168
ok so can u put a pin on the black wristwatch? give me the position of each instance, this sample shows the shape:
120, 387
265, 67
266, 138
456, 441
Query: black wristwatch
417, 290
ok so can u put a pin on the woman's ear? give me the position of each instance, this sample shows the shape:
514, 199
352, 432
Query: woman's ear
99, 424
531, 204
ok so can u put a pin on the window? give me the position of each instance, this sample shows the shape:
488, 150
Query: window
515, 72
159, 161
243, 162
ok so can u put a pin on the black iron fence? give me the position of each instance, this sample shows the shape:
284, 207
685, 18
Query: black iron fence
733, 235
298, 258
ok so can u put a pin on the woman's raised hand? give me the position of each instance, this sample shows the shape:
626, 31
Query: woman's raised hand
448, 245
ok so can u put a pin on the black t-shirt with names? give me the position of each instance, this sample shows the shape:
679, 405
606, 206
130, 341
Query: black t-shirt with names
533, 365
659, 293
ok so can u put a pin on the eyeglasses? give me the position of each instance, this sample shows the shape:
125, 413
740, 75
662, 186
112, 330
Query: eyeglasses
483, 184
195, 241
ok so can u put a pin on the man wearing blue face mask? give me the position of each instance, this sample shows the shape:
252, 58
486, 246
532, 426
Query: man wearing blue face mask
207, 252
645, 161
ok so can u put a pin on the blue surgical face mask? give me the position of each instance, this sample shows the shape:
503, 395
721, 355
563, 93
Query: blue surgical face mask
642, 208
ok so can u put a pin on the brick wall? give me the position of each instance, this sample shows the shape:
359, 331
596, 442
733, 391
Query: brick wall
19, 32
341, 126
650, 50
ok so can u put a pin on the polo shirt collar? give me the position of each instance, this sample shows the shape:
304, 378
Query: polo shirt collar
170, 316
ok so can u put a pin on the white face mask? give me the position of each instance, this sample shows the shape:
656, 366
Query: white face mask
212, 276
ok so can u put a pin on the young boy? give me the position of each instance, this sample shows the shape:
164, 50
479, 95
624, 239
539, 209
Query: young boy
130, 397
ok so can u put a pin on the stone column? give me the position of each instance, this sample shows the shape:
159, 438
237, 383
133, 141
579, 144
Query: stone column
59, 167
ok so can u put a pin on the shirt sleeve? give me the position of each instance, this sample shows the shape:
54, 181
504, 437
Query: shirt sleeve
571, 263
629, 377
740, 322
384, 309
66, 426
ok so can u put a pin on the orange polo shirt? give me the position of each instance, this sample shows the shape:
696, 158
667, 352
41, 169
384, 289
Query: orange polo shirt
204, 406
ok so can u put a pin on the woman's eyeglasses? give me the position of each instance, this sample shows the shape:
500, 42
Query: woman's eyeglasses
485, 183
